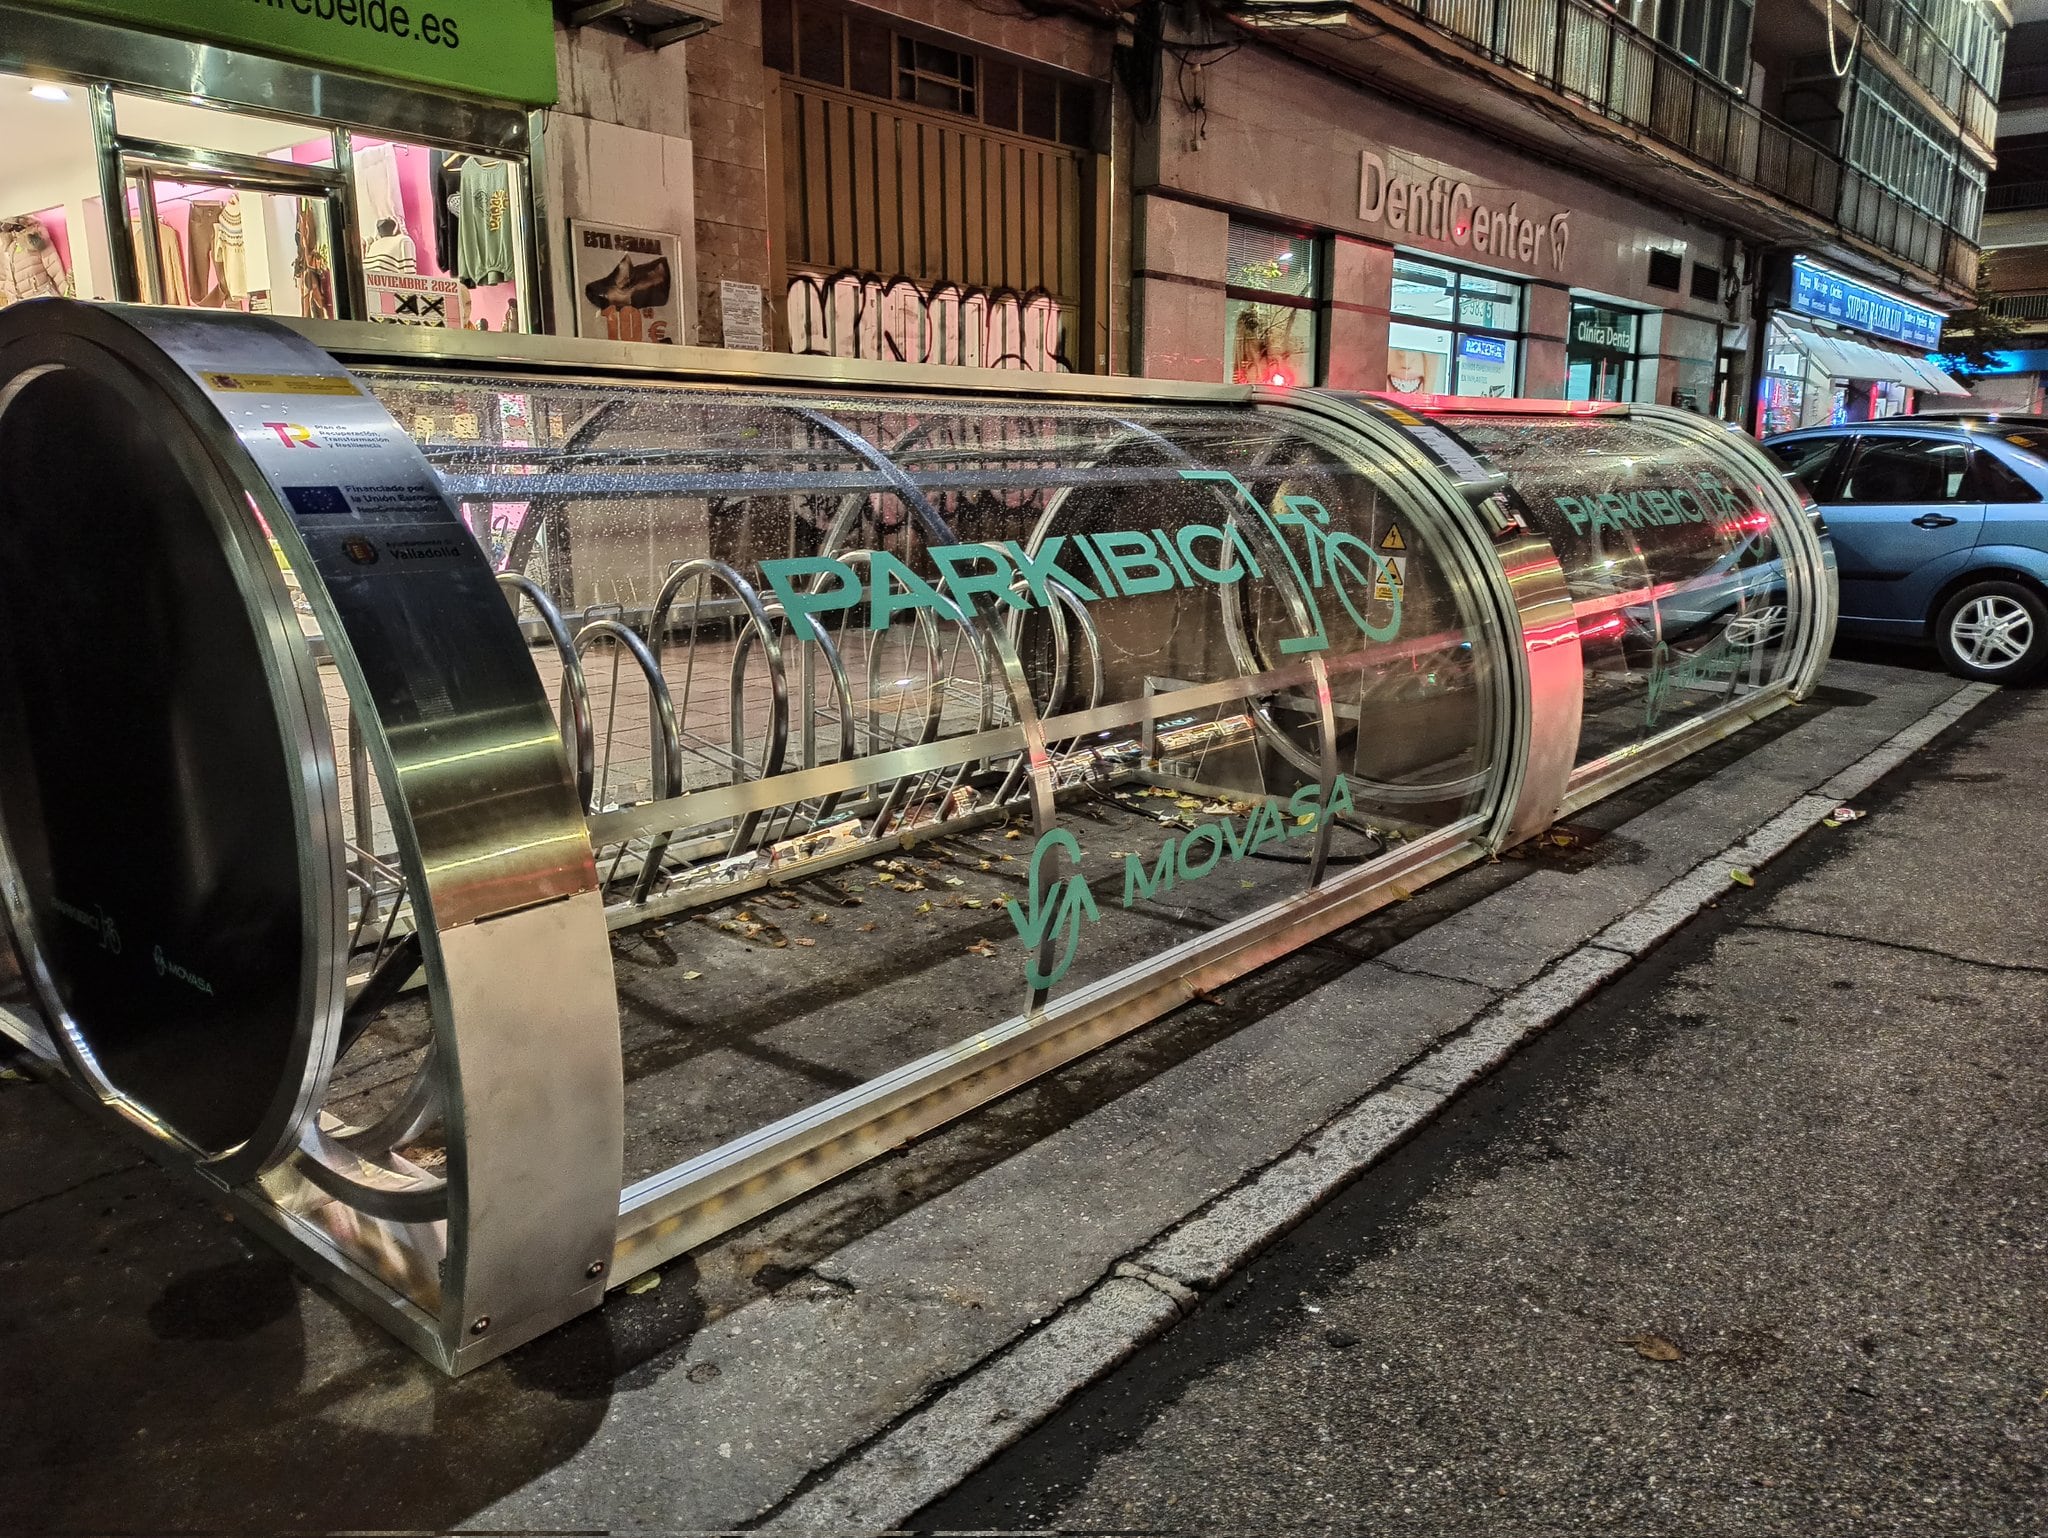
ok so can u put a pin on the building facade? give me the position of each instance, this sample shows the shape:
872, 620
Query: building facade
2016, 225
1662, 201
1753, 211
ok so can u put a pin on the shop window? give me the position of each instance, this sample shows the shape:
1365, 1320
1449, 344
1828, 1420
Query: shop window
443, 233
51, 242
1270, 314
933, 76
1476, 350
1600, 353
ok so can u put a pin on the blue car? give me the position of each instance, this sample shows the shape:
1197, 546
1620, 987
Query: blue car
1941, 533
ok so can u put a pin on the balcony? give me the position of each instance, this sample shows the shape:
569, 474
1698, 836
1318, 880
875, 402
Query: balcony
1774, 183
1930, 61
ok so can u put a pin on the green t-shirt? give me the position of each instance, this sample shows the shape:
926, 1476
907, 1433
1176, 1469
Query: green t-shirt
483, 250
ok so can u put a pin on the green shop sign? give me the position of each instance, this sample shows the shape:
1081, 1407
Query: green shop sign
500, 49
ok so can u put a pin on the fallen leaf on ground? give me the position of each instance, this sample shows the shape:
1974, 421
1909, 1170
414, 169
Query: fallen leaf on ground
869, 928
691, 977
645, 1282
981, 948
1741, 877
805, 940
910, 886
924, 907
1013, 833
1654, 1348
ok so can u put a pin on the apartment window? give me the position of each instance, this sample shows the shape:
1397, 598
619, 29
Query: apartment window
1892, 141
1453, 331
1706, 283
1270, 306
1714, 34
1666, 269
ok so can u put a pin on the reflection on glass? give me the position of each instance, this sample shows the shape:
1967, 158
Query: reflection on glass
1674, 567
1270, 344
1423, 290
1169, 590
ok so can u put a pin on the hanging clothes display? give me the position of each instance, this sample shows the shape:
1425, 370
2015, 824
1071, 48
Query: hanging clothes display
378, 198
390, 250
170, 255
230, 253
29, 265
446, 186
310, 266
201, 223
484, 249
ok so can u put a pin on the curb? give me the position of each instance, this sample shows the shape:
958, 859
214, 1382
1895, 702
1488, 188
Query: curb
908, 1466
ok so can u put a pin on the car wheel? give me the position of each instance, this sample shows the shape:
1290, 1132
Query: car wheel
1993, 631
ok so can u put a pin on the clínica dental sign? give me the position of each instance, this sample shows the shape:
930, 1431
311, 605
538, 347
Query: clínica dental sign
1433, 206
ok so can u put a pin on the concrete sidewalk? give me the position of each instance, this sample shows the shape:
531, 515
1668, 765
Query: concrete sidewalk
161, 1374
1753, 1243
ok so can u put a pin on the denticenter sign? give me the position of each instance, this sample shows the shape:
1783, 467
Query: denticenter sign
1454, 213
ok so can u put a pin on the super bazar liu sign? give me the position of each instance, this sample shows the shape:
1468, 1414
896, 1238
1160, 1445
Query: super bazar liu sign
1455, 213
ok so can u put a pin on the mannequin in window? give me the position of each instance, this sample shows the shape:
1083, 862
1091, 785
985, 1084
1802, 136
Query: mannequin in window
391, 250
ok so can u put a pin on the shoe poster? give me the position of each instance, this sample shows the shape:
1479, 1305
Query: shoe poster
625, 283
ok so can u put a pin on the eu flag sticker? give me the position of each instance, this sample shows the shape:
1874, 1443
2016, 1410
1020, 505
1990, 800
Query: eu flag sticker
318, 502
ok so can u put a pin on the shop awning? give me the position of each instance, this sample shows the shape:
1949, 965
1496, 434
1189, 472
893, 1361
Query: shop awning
1843, 358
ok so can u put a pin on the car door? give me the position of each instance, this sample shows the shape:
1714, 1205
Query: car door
1904, 517
2009, 472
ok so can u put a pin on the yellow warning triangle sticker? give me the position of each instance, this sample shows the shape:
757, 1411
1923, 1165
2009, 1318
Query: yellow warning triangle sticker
1394, 541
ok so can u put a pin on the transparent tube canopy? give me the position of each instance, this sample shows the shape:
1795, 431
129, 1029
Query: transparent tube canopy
658, 781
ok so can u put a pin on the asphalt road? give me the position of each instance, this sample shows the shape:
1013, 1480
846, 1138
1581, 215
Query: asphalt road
1753, 1243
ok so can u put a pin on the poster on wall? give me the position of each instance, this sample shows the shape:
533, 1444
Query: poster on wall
625, 283
1414, 367
412, 299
